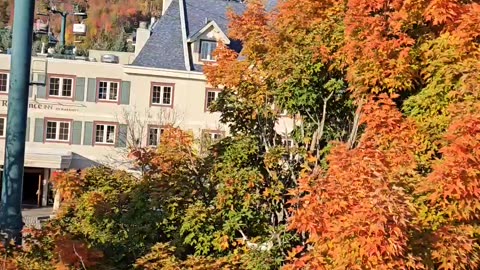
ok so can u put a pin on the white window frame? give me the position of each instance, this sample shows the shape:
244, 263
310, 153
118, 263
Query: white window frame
105, 132
210, 57
109, 85
162, 92
211, 134
8, 81
3, 132
57, 130
60, 87
159, 135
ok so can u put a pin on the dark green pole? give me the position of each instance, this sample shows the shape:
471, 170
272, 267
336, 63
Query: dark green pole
63, 29
11, 206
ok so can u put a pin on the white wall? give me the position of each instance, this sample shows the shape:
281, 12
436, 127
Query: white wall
188, 111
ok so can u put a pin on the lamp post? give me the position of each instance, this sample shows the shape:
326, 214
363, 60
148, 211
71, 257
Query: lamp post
11, 205
63, 29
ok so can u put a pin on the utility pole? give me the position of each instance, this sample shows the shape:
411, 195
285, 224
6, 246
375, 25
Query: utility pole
12, 186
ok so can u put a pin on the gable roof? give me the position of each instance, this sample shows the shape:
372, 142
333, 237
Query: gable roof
215, 26
168, 46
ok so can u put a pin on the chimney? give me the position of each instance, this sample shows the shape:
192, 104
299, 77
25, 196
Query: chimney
165, 5
152, 22
143, 34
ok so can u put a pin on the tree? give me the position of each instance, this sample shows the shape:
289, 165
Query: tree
357, 213
4, 13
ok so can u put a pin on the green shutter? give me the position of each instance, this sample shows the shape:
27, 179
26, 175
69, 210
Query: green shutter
27, 130
30, 91
125, 93
88, 134
41, 89
92, 90
122, 136
38, 132
80, 89
77, 132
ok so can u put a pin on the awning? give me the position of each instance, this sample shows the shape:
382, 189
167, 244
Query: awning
46, 158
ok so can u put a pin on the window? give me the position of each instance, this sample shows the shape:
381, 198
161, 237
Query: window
3, 124
58, 131
4, 82
108, 91
60, 87
288, 142
105, 133
211, 96
154, 135
212, 135
206, 50
162, 95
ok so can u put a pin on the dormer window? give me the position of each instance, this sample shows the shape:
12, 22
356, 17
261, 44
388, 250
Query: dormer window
206, 50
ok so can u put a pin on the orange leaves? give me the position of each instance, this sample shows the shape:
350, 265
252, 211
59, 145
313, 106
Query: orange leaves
75, 253
469, 23
378, 47
70, 184
358, 213
443, 11
454, 184
251, 24
455, 247
175, 151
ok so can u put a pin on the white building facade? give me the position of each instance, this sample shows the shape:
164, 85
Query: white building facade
88, 113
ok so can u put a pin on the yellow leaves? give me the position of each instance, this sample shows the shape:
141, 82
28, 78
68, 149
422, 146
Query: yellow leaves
224, 242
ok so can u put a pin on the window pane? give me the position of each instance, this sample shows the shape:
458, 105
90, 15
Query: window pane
67, 87
99, 130
64, 131
153, 136
213, 47
3, 82
54, 86
51, 131
206, 50
156, 93
2, 127
102, 90
113, 91
211, 96
167, 95
110, 134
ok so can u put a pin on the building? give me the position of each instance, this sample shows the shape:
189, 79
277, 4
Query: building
89, 112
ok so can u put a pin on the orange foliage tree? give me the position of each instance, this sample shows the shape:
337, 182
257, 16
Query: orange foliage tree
357, 213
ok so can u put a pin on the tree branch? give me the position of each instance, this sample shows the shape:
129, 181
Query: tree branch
80, 257
318, 134
356, 121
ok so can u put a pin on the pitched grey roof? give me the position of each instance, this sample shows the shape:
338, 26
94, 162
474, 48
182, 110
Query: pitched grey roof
165, 47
